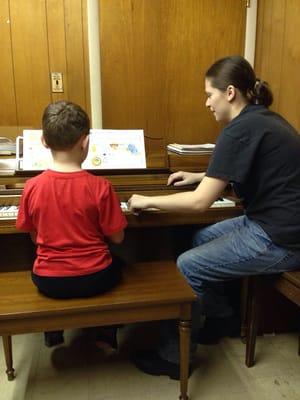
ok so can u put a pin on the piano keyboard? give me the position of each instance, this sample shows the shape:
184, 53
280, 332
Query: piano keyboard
222, 202
11, 212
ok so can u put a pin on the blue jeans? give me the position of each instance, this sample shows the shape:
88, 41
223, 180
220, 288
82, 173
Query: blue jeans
230, 249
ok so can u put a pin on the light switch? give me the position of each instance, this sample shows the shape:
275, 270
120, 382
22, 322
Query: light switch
57, 82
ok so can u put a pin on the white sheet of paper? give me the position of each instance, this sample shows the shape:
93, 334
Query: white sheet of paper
110, 149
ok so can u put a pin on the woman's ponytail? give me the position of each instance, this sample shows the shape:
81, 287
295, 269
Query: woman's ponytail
261, 93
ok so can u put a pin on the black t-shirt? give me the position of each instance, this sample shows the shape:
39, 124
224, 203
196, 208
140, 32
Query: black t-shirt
259, 153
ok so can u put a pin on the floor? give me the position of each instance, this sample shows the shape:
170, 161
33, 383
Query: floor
78, 370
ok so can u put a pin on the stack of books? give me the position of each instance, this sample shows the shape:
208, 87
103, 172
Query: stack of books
205, 148
7, 146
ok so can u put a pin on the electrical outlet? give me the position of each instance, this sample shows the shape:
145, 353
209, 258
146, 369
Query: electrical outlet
57, 82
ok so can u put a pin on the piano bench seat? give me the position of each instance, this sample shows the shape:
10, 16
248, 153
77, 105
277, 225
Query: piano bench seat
148, 291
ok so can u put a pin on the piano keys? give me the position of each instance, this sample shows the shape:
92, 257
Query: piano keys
222, 202
11, 211
125, 183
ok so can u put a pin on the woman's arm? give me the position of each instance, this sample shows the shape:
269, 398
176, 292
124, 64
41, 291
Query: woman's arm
198, 200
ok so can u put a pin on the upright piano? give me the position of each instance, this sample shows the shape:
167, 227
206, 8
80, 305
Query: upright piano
152, 234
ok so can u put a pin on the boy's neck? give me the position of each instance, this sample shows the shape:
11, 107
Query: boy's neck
66, 161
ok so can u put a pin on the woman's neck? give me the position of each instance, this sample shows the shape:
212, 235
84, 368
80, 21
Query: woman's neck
237, 107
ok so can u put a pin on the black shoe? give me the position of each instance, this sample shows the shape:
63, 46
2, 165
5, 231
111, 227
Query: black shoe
151, 363
216, 328
107, 338
53, 338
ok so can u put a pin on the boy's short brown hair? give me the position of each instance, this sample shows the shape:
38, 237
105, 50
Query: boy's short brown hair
63, 124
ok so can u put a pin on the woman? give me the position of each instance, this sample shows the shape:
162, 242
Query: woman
258, 152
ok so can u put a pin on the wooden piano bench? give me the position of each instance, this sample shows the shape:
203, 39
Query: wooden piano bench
288, 284
148, 291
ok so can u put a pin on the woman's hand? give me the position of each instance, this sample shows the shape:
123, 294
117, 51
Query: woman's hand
137, 203
182, 178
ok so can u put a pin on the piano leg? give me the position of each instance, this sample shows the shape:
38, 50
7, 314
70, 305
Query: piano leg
6, 339
184, 334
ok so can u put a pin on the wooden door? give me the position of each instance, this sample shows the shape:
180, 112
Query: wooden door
154, 54
278, 54
39, 37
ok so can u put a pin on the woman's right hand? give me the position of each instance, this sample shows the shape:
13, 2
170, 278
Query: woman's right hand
182, 178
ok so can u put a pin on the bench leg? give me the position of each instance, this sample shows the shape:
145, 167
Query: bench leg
299, 341
244, 308
6, 339
184, 333
252, 316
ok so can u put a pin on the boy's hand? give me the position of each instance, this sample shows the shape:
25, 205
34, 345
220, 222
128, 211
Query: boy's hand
137, 203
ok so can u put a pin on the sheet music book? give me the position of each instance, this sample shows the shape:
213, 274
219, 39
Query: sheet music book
108, 149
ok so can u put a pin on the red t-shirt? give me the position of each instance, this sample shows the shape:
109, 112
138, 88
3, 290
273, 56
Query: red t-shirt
72, 213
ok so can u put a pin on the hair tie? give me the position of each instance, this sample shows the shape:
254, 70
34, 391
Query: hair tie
257, 83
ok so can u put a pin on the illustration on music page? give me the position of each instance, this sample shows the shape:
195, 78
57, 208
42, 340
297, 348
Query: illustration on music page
35, 155
110, 149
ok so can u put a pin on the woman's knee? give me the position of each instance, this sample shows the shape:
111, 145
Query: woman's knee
202, 236
196, 239
183, 263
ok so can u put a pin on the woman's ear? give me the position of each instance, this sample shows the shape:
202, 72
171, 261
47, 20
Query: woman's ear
231, 93
44, 142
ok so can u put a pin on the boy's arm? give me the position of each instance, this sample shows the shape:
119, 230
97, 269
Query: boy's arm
117, 237
24, 221
33, 236
112, 220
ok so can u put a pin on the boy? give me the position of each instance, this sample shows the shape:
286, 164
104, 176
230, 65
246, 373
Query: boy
70, 214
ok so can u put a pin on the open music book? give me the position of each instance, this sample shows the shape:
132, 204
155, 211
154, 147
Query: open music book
108, 149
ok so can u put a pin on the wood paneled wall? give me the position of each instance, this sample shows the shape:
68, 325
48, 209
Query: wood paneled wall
39, 37
278, 54
154, 54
